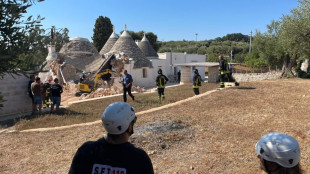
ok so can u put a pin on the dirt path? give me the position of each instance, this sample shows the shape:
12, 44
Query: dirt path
215, 133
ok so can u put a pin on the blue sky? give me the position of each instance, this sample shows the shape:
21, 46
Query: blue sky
168, 19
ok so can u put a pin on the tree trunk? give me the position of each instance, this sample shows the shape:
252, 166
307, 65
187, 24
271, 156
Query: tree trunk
288, 65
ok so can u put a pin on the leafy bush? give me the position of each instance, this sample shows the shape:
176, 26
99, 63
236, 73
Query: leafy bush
253, 60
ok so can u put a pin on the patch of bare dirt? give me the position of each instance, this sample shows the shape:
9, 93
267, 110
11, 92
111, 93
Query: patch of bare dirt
215, 133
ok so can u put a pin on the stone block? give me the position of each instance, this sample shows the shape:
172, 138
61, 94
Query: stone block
19, 93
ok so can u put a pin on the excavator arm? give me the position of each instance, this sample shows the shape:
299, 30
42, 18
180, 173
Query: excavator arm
107, 71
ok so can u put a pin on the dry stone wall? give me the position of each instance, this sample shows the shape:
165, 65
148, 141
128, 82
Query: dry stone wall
256, 76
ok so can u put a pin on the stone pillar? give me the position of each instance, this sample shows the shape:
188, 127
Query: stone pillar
213, 74
52, 55
185, 74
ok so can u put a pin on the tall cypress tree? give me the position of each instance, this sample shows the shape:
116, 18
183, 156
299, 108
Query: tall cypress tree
102, 31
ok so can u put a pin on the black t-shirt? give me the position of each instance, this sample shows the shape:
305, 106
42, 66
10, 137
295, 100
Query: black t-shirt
101, 157
56, 90
46, 86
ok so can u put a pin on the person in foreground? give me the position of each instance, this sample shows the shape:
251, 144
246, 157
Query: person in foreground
278, 154
113, 154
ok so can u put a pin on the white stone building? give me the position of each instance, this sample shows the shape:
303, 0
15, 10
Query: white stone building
144, 62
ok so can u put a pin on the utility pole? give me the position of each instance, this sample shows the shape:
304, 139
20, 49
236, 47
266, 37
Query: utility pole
196, 42
250, 49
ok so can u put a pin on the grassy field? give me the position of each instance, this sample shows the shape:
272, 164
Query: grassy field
215, 133
91, 111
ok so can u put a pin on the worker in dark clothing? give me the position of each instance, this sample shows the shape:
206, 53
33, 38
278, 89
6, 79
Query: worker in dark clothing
56, 91
83, 78
46, 93
32, 78
224, 71
161, 81
196, 82
179, 76
113, 153
230, 69
230, 77
127, 83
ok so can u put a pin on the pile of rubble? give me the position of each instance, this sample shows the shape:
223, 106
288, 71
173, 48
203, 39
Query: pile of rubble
106, 91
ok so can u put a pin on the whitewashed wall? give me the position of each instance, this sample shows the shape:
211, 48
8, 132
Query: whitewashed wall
15, 92
166, 62
177, 58
137, 75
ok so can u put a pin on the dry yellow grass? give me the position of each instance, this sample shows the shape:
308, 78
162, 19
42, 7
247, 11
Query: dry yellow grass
213, 134
89, 111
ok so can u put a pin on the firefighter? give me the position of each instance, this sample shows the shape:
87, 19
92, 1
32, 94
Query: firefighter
224, 71
230, 77
196, 82
46, 93
161, 81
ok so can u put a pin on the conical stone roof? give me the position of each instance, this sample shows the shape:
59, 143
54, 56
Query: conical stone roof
147, 48
110, 43
125, 44
81, 54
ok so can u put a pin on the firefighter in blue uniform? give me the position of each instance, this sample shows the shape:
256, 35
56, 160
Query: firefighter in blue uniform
161, 81
196, 82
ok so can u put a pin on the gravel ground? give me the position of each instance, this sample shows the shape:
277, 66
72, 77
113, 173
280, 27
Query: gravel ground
215, 133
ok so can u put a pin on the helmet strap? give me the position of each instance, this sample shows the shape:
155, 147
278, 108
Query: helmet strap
266, 167
130, 131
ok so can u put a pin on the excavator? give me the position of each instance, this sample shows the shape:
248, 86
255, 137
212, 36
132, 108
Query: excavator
88, 82
88, 86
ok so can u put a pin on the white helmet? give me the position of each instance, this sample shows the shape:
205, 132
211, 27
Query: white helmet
279, 148
117, 117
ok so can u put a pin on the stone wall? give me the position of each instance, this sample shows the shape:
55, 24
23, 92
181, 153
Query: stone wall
15, 92
240, 77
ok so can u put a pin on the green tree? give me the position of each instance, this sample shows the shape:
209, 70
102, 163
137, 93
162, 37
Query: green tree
37, 41
268, 45
102, 31
60, 37
13, 33
254, 61
288, 40
295, 36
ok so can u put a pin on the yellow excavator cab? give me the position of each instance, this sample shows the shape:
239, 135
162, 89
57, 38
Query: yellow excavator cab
84, 88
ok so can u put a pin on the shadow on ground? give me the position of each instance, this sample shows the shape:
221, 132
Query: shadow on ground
45, 112
244, 88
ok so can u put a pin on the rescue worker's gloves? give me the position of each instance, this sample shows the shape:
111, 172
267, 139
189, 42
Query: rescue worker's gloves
117, 117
